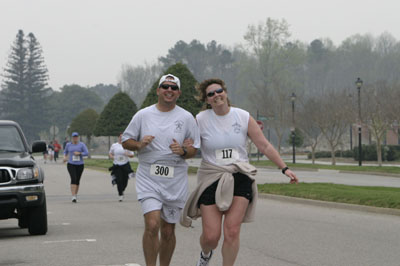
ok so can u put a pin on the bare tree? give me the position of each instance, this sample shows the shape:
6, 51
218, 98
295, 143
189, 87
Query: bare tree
137, 80
378, 115
335, 116
307, 123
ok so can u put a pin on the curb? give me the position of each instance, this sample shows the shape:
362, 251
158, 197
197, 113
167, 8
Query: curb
328, 204
369, 173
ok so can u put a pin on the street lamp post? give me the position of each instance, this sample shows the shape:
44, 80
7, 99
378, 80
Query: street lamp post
293, 98
359, 83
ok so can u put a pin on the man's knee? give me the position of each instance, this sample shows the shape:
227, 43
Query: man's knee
167, 231
152, 225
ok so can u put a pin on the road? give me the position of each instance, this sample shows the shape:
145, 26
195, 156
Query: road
99, 231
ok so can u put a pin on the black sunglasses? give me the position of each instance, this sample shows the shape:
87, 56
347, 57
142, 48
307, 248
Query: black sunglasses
173, 87
212, 93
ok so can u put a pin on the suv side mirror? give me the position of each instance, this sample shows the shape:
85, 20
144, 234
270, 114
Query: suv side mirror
39, 146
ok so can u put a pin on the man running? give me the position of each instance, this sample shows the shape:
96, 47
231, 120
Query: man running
157, 133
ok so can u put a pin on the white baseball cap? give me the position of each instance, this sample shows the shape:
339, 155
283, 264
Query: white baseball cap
170, 78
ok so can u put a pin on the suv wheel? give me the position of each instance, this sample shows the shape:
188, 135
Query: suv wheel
37, 220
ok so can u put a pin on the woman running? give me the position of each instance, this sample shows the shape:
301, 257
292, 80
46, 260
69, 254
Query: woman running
73, 153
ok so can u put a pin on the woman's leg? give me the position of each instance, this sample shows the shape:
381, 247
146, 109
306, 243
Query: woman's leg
232, 222
79, 171
211, 222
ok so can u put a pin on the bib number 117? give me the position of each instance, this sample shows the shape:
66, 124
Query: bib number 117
226, 153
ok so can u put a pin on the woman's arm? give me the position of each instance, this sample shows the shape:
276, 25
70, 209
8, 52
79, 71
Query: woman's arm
256, 135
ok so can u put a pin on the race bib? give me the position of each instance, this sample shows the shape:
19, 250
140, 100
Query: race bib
227, 156
76, 158
162, 170
120, 158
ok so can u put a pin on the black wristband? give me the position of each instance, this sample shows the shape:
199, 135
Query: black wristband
284, 169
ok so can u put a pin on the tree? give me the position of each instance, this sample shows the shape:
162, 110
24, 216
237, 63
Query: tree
84, 123
307, 117
298, 138
25, 91
188, 99
377, 116
334, 118
69, 102
137, 80
105, 92
115, 116
275, 68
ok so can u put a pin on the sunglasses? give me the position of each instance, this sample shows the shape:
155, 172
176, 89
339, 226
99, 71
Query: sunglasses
212, 93
173, 87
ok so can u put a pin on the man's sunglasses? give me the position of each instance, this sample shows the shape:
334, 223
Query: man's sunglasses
173, 87
212, 93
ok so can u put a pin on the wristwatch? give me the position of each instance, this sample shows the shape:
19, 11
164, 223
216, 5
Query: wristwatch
184, 152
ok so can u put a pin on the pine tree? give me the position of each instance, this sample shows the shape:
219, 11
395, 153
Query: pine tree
187, 100
25, 91
116, 115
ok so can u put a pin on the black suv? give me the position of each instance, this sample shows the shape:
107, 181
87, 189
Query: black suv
22, 194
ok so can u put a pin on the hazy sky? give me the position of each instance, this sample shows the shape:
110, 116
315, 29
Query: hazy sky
87, 41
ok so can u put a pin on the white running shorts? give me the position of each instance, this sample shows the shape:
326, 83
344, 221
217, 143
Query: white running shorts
170, 214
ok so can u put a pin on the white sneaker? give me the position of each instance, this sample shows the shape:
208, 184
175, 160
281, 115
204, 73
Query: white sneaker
121, 198
203, 261
74, 199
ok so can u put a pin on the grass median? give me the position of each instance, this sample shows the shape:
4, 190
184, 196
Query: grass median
370, 196
386, 197
349, 168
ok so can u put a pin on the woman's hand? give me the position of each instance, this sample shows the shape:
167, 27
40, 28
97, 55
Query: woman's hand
292, 176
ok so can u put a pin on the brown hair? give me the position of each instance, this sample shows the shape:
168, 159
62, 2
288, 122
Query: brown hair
202, 87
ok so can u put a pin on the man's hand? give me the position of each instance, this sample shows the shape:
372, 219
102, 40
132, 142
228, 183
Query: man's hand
146, 140
188, 143
77, 153
176, 148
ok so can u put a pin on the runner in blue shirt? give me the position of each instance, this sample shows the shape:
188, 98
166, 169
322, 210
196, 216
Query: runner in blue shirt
73, 153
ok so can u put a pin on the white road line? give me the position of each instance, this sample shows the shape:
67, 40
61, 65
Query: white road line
71, 240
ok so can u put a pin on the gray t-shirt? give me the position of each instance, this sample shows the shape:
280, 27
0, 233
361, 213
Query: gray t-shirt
162, 174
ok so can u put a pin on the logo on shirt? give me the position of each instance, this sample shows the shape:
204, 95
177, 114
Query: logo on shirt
178, 126
236, 128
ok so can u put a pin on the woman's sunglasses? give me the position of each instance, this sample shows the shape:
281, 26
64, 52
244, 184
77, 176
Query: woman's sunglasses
173, 87
212, 93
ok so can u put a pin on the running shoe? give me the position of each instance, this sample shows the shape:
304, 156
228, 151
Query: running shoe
121, 198
74, 199
203, 261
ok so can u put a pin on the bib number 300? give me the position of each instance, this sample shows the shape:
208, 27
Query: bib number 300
162, 170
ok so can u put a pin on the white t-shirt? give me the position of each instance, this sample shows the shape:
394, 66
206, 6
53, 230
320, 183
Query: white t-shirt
162, 174
119, 153
223, 138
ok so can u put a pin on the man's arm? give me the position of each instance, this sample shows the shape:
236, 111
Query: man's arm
133, 145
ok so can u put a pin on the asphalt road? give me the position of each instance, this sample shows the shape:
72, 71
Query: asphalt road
99, 230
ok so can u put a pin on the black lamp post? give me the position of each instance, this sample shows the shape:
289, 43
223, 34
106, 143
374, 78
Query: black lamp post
351, 125
293, 98
359, 83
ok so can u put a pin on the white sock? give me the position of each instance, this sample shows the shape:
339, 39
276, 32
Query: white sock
206, 255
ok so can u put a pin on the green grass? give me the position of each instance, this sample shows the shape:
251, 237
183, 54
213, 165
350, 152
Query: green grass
351, 168
104, 164
386, 197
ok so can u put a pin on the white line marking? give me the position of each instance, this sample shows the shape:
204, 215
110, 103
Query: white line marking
65, 223
72, 240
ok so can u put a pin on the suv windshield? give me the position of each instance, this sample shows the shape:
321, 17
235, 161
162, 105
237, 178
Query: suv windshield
10, 140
